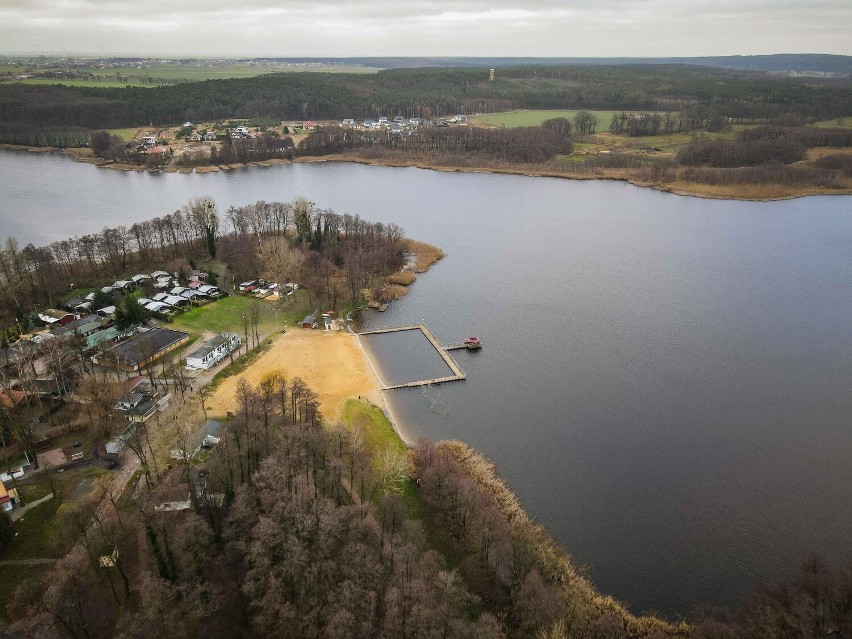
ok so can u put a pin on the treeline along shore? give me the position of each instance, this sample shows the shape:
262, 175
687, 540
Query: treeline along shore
685, 129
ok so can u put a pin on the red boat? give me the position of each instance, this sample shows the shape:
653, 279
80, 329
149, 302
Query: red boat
473, 342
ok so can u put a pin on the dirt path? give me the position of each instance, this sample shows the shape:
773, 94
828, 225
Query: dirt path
331, 363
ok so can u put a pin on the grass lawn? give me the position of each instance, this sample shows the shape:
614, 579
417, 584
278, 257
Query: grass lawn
378, 431
379, 434
226, 314
124, 134
837, 123
512, 119
38, 534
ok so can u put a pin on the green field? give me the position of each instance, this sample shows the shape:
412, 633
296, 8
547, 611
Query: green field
842, 123
124, 134
159, 74
512, 119
103, 84
226, 314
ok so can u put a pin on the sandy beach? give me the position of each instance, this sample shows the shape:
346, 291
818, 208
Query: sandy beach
333, 365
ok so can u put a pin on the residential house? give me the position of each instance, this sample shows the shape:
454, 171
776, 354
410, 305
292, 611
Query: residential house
163, 283
213, 351
348, 122
159, 297
309, 322
139, 278
209, 136
158, 275
197, 276
124, 285
106, 311
84, 326
159, 307
8, 497
177, 290
157, 150
53, 316
149, 140
176, 300
140, 401
192, 295
102, 337
209, 290
249, 285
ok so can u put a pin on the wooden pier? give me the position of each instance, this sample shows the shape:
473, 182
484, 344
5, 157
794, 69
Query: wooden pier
458, 373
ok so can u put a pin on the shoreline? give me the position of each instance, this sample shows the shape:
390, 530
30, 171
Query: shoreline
385, 404
762, 193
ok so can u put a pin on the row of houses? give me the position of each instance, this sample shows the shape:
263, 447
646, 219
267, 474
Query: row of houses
262, 289
179, 296
399, 122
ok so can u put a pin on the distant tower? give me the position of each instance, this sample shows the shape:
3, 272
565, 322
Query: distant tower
491, 75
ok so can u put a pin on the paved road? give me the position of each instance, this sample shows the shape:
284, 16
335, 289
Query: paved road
16, 514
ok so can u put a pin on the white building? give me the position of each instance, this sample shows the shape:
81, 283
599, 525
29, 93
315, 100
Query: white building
213, 351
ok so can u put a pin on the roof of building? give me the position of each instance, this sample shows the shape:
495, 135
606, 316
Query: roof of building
211, 345
96, 339
82, 326
142, 345
12, 398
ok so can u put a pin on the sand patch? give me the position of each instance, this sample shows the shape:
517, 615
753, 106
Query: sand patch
331, 363
53, 458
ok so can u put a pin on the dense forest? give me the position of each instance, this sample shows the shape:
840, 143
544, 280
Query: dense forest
742, 96
296, 529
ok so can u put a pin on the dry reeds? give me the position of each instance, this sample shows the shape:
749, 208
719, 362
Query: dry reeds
424, 255
402, 278
590, 608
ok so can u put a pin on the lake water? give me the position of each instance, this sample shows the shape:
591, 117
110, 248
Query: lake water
665, 381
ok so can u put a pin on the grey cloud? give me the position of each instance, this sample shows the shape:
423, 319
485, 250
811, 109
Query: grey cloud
429, 27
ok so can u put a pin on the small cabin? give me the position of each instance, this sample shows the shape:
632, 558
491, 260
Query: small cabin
309, 322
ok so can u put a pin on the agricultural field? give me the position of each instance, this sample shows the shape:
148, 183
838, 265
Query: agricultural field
173, 73
841, 123
661, 144
512, 119
101, 84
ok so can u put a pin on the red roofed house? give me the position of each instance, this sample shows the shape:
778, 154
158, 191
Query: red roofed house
8, 498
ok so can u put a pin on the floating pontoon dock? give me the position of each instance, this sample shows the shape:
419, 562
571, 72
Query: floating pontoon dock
458, 373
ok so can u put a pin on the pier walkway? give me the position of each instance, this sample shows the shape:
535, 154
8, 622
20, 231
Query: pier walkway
458, 373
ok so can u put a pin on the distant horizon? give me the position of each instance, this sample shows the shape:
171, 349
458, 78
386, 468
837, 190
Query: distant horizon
458, 28
237, 56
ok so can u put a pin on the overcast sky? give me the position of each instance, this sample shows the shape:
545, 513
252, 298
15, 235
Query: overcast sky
427, 27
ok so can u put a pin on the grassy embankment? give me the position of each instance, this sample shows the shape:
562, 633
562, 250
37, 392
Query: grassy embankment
379, 434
